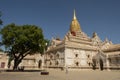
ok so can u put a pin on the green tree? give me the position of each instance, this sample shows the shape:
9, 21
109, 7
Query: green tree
22, 40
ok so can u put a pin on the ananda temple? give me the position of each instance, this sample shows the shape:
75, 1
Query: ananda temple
75, 51
79, 51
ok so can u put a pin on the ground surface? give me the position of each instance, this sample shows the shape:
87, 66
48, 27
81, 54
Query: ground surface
62, 75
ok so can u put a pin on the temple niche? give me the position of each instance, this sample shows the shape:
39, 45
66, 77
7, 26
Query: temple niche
79, 51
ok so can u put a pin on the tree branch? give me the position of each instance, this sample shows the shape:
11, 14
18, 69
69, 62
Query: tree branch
26, 53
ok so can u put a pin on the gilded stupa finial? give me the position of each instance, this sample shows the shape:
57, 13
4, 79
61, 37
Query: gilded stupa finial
75, 26
74, 17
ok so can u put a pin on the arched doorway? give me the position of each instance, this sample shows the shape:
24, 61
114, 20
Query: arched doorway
101, 64
98, 60
94, 62
39, 63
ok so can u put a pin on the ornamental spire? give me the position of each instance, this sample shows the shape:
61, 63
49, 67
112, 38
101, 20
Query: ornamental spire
75, 26
74, 17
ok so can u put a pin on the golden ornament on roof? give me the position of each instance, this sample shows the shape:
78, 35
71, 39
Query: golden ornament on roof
75, 26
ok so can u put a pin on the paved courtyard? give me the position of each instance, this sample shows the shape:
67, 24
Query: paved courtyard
62, 75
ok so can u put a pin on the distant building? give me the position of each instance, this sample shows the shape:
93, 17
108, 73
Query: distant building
34, 61
79, 51
29, 62
3, 60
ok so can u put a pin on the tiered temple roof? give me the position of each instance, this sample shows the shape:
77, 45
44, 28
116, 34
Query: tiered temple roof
76, 38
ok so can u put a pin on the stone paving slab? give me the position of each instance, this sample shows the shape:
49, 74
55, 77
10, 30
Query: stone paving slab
62, 75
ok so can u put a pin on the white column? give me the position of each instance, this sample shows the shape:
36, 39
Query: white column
107, 63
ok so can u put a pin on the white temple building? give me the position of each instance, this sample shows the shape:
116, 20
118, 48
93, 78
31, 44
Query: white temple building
79, 51
75, 51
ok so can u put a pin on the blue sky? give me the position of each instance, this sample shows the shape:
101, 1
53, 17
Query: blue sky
54, 16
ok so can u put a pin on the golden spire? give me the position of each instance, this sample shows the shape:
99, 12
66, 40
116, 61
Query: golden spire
74, 17
75, 26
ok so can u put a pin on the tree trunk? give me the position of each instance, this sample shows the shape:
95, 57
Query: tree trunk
16, 63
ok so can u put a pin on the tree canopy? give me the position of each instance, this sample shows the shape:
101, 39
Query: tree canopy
22, 40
